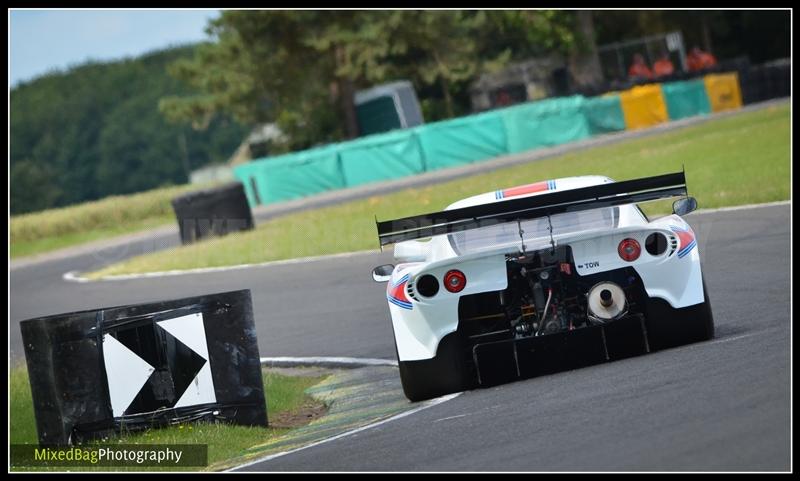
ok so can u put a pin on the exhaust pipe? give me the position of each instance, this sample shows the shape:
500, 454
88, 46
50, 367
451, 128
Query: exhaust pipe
606, 301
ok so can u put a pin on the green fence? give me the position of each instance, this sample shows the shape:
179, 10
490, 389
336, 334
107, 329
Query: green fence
462, 141
686, 99
604, 114
298, 174
450, 143
381, 157
545, 123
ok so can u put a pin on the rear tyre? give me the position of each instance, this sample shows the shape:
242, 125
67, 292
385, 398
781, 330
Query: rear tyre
669, 327
445, 373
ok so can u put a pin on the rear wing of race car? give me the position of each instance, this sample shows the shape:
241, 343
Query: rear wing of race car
512, 210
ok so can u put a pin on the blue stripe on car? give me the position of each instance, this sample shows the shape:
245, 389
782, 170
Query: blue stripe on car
685, 250
397, 302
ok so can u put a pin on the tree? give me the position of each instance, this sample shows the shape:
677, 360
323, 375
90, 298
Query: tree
452, 48
268, 66
33, 186
440, 48
95, 130
585, 61
302, 68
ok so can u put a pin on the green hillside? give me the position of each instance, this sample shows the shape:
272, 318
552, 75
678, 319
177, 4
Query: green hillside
95, 130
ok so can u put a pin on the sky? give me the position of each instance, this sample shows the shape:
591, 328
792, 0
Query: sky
44, 40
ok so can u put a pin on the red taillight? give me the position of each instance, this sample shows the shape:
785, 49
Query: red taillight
629, 250
455, 281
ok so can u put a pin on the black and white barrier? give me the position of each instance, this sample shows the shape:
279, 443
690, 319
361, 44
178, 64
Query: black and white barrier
145, 365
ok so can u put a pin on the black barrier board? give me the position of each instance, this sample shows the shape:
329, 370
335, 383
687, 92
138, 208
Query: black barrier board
146, 365
212, 212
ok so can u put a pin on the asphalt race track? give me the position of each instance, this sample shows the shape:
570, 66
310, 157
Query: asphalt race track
719, 405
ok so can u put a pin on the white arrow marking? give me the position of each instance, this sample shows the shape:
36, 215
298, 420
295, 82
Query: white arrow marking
126, 373
190, 331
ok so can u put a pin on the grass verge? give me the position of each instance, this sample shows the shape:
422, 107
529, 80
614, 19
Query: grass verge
741, 159
286, 401
53, 229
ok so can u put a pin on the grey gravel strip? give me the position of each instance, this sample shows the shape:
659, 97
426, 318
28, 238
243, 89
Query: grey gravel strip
334, 362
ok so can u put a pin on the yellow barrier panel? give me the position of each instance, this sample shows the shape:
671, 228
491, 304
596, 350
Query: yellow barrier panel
723, 91
643, 106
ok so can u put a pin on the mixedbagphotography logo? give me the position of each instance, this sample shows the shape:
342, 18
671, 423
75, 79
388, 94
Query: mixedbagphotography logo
117, 455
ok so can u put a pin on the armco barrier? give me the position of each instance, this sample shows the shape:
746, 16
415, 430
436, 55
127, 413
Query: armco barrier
643, 106
381, 157
299, 174
685, 99
462, 141
723, 91
604, 114
262, 174
545, 123
475, 138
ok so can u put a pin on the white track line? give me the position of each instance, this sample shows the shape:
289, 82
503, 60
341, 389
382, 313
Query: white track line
452, 417
326, 361
735, 338
425, 405
74, 276
740, 207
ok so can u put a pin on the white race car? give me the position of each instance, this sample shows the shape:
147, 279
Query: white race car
540, 278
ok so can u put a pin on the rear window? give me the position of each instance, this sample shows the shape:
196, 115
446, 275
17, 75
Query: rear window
536, 232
